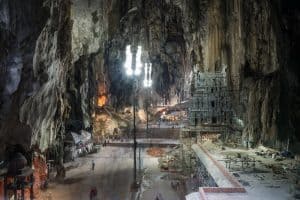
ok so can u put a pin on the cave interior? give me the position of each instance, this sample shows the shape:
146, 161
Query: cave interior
149, 99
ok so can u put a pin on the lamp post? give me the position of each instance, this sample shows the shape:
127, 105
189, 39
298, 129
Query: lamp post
147, 84
133, 67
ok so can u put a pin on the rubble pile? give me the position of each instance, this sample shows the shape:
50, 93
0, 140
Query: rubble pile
155, 152
171, 161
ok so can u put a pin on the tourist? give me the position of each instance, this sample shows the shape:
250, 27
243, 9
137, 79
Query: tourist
93, 193
93, 165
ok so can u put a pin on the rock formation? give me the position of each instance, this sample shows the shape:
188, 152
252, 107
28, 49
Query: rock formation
58, 56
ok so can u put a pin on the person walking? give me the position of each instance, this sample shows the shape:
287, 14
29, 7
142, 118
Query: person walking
93, 165
93, 193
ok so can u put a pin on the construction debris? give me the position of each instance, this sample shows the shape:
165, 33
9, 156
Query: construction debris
155, 152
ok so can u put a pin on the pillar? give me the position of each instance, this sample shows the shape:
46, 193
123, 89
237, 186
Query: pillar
31, 186
5, 188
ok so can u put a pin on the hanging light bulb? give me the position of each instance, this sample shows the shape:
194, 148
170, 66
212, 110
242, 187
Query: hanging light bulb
146, 75
149, 74
148, 71
138, 62
128, 61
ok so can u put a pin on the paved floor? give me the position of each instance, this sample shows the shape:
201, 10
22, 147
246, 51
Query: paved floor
112, 177
154, 183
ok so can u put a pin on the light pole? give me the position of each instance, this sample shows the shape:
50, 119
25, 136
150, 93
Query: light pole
133, 65
147, 85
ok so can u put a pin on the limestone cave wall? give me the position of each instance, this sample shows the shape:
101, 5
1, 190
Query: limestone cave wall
20, 26
58, 56
253, 39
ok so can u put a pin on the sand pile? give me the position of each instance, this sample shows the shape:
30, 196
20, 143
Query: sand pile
155, 152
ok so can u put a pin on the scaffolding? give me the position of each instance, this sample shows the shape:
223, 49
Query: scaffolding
210, 109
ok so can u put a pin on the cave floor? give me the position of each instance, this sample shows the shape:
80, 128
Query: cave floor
112, 177
270, 179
